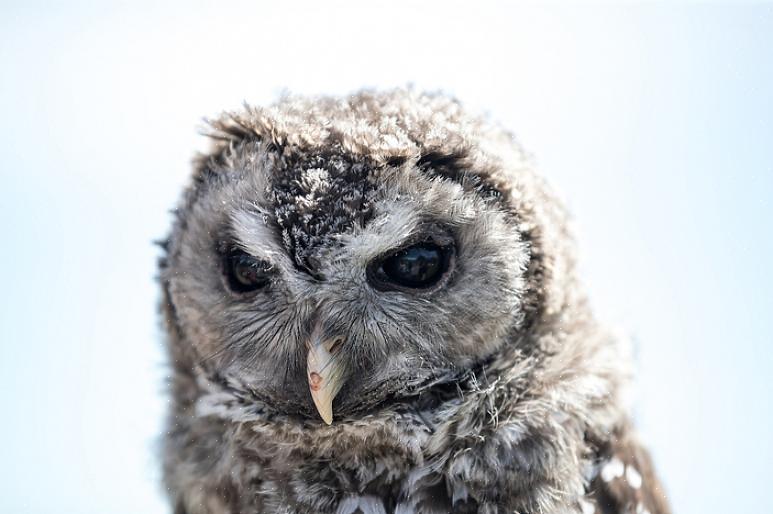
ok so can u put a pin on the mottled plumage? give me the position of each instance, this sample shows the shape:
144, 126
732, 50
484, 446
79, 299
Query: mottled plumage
492, 389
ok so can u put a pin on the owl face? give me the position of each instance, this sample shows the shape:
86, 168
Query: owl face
333, 285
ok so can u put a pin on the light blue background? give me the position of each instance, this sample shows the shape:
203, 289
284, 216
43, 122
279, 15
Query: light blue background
655, 122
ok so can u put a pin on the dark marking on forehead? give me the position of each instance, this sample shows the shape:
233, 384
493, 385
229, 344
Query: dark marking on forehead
458, 167
318, 195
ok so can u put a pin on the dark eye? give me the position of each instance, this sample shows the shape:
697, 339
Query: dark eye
245, 273
420, 266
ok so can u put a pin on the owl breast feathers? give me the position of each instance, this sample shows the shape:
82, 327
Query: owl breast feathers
371, 307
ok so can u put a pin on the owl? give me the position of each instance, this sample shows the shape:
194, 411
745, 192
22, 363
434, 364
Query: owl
372, 306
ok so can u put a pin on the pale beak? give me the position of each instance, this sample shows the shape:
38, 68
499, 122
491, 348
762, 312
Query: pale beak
325, 372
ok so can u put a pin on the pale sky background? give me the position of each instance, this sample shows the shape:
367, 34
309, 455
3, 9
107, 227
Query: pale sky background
654, 122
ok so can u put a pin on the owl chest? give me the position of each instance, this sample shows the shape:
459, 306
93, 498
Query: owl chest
372, 478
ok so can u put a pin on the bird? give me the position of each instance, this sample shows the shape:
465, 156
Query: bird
371, 305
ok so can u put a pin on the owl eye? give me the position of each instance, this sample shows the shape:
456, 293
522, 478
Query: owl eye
245, 273
420, 266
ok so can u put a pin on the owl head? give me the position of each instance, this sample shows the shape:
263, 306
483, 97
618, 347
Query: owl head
335, 257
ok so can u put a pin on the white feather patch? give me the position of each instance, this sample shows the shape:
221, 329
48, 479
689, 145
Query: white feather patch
366, 504
612, 469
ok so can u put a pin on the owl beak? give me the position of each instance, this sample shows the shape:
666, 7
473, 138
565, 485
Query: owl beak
325, 373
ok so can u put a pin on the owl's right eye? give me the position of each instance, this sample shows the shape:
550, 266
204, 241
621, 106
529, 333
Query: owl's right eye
245, 273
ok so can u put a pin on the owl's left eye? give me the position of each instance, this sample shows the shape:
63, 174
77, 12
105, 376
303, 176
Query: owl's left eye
419, 267
245, 273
